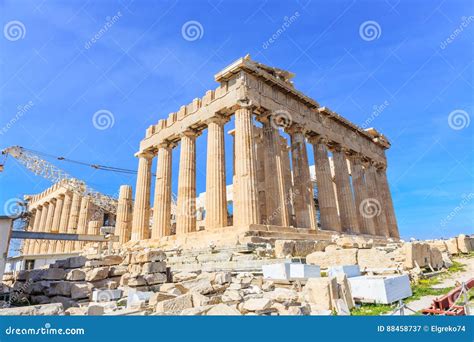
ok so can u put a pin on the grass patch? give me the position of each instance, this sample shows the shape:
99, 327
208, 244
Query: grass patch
424, 287
372, 309
457, 267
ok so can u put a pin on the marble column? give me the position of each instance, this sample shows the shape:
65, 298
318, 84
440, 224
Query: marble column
186, 206
274, 186
73, 221
141, 208
246, 211
162, 201
387, 203
27, 243
49, 224
84, 217
55, 225
360, 195
35, 243
40, 227
63, 228
123, 224
287, 180
329, 216
373, 208
216, 196
261, 190
305, 209
347, 209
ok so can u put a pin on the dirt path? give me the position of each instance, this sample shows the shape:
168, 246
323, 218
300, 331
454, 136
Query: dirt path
462, 276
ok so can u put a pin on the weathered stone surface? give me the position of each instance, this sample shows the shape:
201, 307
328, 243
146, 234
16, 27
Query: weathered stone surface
283, 295
40, 299
256, 304
184, 276
154, 278
416, 253
231, 296
136, 281
154, 267
159, 297
95, 310
65, 301
39, 287
54, 274
317, 292
81, 290
223, 310
59, 288
436, 258
223, 278
452, 246
34, 310
112, 260
76, 262
303, 248
97, 274
344, 290
202, 286
76, 275
148, 255
375, 258
176, 304
117, 270
199, 300
465, 243
333, 257
284, 248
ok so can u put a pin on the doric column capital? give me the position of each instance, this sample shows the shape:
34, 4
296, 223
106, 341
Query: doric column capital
189, 132
166, 145
218, 119
380, 166
144, 154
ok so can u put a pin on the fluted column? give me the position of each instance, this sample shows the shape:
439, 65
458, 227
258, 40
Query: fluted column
373, 207
162, 202
35, 243
66, 209
27, 243
141, 208
55, 225
261, 190
274, 175
84, 217
387, 203
305, 210
287, 180
73, 221
123, 223
216, 196
49, 224
360, 195
41, 222
347, 209
329, 216
246, 211
186, 206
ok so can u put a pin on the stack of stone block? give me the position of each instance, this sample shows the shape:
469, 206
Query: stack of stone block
146, 270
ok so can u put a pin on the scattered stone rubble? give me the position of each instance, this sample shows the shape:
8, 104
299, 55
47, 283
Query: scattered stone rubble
138, 282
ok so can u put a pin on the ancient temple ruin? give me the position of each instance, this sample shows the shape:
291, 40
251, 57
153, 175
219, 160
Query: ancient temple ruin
273, 195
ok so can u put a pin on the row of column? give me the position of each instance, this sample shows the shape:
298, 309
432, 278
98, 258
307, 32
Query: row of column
287, 198
67, 213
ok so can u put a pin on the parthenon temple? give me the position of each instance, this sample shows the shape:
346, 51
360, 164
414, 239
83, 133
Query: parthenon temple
272, 190
275, 193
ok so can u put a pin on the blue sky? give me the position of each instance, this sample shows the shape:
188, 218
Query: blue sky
404, 77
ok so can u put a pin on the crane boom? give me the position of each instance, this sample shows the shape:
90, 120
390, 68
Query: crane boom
49, 171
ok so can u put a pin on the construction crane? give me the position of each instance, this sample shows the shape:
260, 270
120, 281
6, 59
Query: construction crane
41, 167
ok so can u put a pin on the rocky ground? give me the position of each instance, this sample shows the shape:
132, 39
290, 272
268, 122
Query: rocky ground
139, 282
